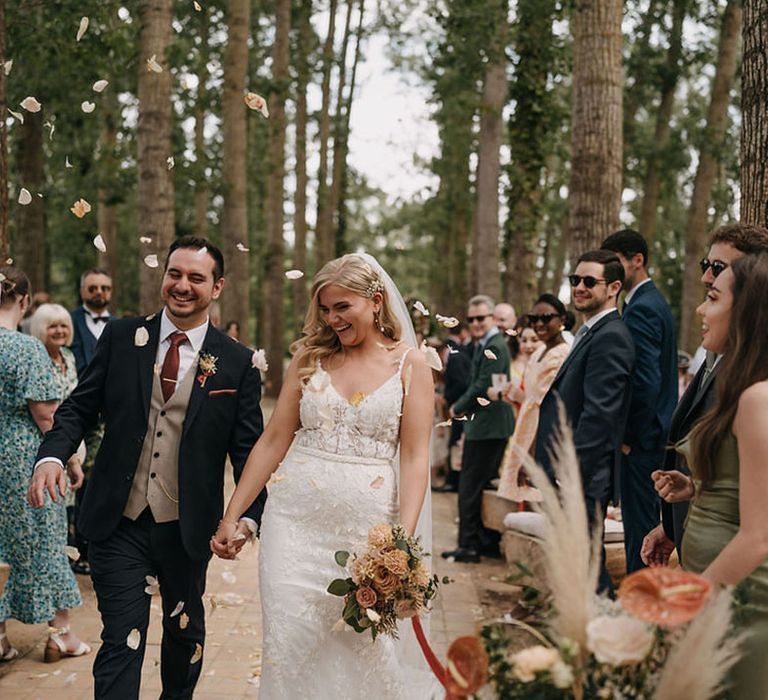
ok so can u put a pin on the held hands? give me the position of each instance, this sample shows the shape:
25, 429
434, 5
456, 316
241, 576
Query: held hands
49, 476
673, 486
229, 539
656, 548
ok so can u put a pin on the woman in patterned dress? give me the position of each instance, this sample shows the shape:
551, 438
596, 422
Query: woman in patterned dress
41, 586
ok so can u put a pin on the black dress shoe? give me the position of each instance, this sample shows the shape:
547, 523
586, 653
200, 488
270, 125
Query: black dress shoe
491, 552
463, 555
445, 488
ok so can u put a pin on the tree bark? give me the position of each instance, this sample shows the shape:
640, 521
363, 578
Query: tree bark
303, 73
754, 130
201, 157
596, 125
106, 212
712, 139
4, 239
156, 216
322, 245
235, 300
485, 264
669, 79
275, 249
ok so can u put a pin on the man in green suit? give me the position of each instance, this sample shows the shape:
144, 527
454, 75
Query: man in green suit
486, 431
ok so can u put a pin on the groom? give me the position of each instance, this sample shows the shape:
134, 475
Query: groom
177, 396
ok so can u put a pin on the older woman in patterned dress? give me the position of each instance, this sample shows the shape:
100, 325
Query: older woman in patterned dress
41, 587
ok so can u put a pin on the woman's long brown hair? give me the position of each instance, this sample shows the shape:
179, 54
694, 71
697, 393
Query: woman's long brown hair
744, 361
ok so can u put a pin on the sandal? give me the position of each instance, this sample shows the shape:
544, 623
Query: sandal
81, 567
12, 652
56, 653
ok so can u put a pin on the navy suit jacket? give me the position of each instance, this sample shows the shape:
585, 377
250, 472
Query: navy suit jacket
654, 380
594, 386
83, 341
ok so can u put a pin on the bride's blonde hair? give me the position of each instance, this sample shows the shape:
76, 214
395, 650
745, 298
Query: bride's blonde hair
319, 341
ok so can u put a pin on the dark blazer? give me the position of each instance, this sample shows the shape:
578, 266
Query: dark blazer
496, 421
654, 379
693, 405
594, 386
83, 341
118, 385
458, 369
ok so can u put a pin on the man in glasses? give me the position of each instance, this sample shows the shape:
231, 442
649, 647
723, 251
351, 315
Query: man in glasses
486, 430
725, 245
593, 384
654, 391
90, 319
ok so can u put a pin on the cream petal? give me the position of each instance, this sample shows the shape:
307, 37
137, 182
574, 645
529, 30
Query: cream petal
294, 274
24, 196
87, 107
82, 29
151, 261
99, 85
134, 639
99, 243
31, 104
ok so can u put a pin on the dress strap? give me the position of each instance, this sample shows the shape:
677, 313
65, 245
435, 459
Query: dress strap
402, 360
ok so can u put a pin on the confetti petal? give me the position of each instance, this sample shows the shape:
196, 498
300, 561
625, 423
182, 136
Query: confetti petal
151, 261
171, 162
99, 243
482, 401
134, 639
52, 128
70, 679
152, 65
7, 66
183, 621
490, 354
99, 85
31, 104
197, 655
87, 107
179, 607
257, 103
145, 239
24, 196
423, 310
447, 321
432, 357
377, 482
80, 208
259, 360
242, 248
72, 552
197, 6
228, 577
444, 424
152, 587
67, 164
82, 29
294, 274
18, 115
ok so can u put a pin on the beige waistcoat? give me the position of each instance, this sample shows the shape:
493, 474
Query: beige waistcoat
156, 482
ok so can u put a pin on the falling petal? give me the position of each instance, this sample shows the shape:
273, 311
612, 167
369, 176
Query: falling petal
490, 354
407, 383
9, 261
276, 478
7, 66
432, 357
153, 586
259, 360
134, 639
242, 248
257, 102
99, 243
82, 29
423, 310
171, 162
444, 424
24, 196
70, 679
482, 401
30, 104
52, 127
461, 417
447, 321
80, 208
99, 85
183, 621
179, 607
197, 655
87, 107
294, 274
145, 239
151, 261
67, 164
18, 115
152, 65
197, 6
377, 482
511, 331
228, 577
72, 552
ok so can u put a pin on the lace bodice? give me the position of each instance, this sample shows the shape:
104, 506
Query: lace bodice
369, 427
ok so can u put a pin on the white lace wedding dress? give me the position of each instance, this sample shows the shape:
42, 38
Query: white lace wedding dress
337, 480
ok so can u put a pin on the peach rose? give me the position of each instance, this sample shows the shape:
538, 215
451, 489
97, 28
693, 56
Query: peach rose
619, 640
380, 535
397, 562
366, 597
361, 569
528, 662
385, 581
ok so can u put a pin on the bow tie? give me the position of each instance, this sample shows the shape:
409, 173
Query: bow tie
102, 319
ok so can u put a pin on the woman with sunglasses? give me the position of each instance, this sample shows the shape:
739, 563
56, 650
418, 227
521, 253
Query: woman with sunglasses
547, 319
726, 534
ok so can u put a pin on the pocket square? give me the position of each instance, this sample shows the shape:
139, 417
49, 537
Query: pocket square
221, 392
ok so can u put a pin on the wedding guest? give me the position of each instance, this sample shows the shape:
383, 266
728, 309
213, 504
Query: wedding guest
233, 330
38, 299
504, 316
41, 586
726, 534
547, 319
684, 375
90, 319
648, 317
522, 345
568, 324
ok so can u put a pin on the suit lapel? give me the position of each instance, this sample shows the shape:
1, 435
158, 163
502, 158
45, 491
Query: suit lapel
212, 346
701, 390
146, 356
582, 345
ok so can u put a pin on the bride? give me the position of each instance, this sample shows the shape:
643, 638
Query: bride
347, 447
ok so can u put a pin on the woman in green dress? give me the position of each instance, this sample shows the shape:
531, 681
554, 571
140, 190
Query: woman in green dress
41, 586
726, 534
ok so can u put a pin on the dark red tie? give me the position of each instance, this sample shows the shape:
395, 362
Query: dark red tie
170, 369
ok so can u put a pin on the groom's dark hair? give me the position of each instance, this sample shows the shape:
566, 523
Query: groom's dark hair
196, 243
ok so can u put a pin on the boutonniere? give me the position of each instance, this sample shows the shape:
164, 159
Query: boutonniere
141, 337
207, 366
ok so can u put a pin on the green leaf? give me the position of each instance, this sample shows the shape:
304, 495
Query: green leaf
341, 558
339, 586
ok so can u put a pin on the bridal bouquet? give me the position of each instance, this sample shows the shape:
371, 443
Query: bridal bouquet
387, 583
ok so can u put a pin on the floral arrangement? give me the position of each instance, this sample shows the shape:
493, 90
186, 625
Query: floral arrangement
387, 583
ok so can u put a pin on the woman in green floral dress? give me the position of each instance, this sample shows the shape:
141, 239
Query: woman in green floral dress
41, 587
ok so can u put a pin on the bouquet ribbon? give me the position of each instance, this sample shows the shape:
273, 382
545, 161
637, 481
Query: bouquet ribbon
434, 663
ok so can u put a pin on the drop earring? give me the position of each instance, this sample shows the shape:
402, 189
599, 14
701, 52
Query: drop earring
377, 321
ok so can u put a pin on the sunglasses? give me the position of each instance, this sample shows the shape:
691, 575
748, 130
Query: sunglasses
95, 287
717, 266
544, 318
472, 319
588, 280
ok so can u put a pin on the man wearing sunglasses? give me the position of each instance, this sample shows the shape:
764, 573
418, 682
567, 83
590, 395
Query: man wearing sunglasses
593, 384
654, 391
90, 319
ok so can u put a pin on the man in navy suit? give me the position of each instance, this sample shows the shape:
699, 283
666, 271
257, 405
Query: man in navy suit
90, 319
594, 385
654, 391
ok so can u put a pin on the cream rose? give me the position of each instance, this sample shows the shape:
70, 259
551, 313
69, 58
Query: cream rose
528, 662
397, 562
620, 640
380, 536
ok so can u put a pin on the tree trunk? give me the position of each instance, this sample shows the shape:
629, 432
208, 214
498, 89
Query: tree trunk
274, 316
669, 79
698, 221
106, 212
4, 240
596, 125
637, 68
754, 130
485, 265
303, 73
235, 301
156, 217
201, 157
29, 238
322, 245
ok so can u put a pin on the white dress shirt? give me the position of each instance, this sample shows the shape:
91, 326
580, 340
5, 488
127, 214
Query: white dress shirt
632, 291
96, 328
187, 351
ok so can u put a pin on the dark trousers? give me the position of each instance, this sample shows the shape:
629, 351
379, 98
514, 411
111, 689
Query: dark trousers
639, 503
119, 566
479, 464
596, 514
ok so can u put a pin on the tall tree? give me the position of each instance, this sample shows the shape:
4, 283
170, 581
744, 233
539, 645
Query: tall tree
754, 131
106, 213
29, 241
235, 301
596, 136
156, 217
485, 266
275, 249
4, 239
201, 156
706, 172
